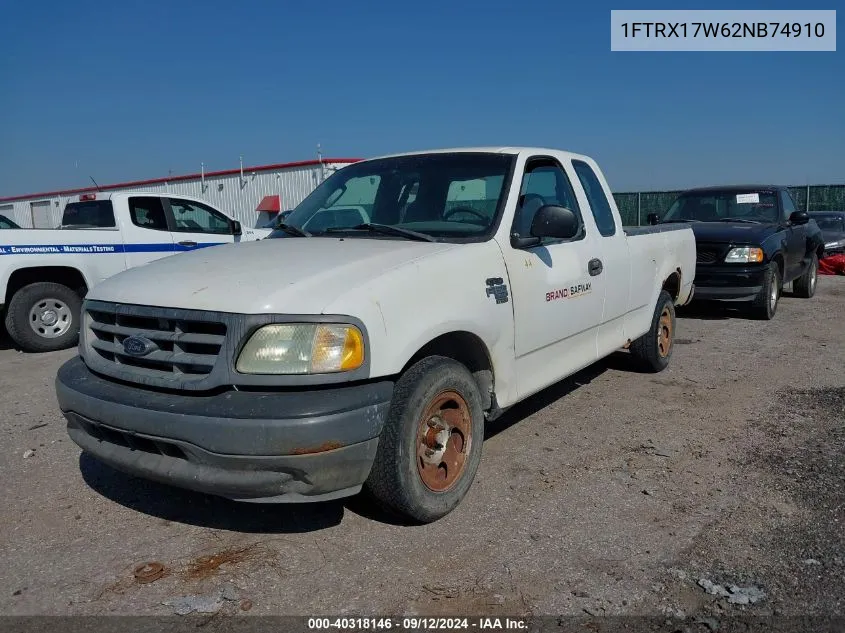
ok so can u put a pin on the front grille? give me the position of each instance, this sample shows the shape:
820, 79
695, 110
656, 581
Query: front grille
710, 253
706, 256
185, 349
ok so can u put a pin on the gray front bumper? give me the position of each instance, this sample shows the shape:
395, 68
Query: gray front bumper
275, 446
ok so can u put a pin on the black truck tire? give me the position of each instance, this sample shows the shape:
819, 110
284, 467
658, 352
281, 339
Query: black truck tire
430, 446
44, 317
805, 285
653, 349
765, 304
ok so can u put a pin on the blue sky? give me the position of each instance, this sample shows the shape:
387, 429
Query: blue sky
131, 90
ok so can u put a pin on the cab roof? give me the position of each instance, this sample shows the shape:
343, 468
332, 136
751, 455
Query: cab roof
489, 149
718, 188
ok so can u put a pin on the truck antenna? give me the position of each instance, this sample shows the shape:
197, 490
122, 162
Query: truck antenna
95, 183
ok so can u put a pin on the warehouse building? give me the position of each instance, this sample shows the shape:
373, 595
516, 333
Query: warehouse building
252, 195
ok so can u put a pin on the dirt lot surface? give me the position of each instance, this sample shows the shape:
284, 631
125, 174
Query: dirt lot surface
612, 493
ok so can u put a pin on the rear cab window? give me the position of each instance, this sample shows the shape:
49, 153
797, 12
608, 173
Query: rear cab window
91, 214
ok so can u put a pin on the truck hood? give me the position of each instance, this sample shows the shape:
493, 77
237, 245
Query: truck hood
287, 275
732, 232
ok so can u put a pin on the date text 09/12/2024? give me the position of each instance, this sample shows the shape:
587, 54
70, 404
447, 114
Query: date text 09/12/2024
418, 623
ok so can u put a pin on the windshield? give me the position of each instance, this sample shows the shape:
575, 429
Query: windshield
830, 223
6, 223
88, 215
443, 196
719, 206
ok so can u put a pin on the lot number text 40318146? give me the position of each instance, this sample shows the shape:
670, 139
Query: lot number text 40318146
417, 623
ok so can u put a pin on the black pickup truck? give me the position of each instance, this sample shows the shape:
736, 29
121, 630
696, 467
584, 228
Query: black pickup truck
750, 242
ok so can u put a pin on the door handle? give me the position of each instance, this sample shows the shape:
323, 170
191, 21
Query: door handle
595, 267
188, 243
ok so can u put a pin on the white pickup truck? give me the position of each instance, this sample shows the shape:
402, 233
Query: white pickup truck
44, 273
376, 351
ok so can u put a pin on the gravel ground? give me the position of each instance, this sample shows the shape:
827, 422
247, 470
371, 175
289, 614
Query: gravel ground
613, 493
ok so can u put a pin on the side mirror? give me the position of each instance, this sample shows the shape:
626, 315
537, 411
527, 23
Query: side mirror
236, 228
554, 221
652, 218
799, 217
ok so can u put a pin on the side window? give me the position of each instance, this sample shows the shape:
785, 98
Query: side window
787, 202
148, 213
596, 197
194, 217
544, 182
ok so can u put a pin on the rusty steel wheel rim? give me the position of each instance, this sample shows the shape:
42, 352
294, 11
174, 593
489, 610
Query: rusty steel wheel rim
444, 438
664, 333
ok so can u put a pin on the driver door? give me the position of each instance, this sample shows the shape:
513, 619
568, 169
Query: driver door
796, 239
558, 298
196, 225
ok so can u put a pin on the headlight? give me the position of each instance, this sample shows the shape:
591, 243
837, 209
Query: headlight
744, 255
302, 348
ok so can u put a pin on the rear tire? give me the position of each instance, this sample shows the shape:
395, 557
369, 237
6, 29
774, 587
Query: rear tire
766, 303
653, 350
805, 285
430, 447
44, 317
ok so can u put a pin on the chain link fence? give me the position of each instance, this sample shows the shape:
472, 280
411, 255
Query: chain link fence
634, 207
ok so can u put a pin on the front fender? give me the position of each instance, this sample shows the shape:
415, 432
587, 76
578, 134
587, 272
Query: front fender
406, 308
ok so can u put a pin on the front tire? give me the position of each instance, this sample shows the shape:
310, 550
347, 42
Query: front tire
430, 447
44, 317
653, 350
766, 303
805, 285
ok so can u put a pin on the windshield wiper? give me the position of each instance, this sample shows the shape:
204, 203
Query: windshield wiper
743, 220
678, 220
290, 229
384, 229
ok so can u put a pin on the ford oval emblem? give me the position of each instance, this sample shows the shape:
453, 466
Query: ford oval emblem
138, 346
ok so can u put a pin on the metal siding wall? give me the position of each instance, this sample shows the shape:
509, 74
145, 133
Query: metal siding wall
224, 193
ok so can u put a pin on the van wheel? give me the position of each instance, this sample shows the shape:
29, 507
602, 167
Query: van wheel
430, 447
653, 349
766, 303
44, 317
805, 285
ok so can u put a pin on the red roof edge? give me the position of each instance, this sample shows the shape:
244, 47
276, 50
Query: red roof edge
158, 181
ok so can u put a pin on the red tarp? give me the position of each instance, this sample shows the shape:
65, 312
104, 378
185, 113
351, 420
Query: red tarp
832, 265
